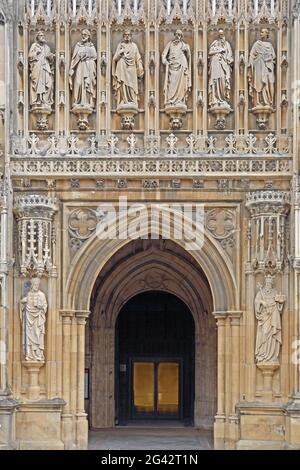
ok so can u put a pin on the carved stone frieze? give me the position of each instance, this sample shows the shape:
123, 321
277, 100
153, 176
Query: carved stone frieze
137, 166
110, 145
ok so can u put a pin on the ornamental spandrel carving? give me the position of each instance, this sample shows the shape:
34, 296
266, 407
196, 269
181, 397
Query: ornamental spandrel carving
36, 234
221, 223
82, 224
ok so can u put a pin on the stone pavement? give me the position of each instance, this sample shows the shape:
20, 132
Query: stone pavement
150, 438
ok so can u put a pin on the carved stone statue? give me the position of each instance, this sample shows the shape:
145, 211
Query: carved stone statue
127, 69
177, 59
261, 77
83, 74
41, 79
220, 70
33, 317
268, 308
178, 80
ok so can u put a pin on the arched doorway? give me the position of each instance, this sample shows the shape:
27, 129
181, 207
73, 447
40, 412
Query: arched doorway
155, 359
137, 268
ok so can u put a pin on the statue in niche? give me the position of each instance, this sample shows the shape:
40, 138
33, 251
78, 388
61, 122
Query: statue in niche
268, 308
178, 80
261, 78
127, 69
33, 318
83, 74
219, 84
41, 79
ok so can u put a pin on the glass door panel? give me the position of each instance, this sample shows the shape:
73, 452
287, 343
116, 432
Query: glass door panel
168, 388
143, 387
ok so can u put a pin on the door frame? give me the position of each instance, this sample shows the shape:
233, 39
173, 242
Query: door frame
155, 359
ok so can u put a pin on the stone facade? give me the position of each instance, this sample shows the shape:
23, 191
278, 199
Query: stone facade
165, 101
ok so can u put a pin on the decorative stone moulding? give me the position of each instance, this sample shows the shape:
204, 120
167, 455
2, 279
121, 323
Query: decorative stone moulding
36, 241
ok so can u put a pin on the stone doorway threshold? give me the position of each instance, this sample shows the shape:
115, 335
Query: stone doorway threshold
155, 424
150, 438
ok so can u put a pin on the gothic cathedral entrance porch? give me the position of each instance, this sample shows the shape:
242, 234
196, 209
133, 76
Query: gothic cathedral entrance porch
151, 325
155, 360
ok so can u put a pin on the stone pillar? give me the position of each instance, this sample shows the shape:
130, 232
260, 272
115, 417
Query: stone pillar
220, 418
67, 418
81, 416
235, 377
7, 404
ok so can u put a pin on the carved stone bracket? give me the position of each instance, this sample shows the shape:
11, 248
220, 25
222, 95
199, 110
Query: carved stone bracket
36, 241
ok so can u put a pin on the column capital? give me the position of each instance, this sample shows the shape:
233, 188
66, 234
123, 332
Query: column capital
232, 314
235, 317
82, 316
219, 315
82, 313
67, 315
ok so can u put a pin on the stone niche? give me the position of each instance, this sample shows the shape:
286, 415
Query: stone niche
75, 116
166, 35
254, 35
138, 37
38, 120
212, 35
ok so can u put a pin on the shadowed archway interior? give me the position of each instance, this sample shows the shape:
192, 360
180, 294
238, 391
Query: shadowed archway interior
155, 359
140, 268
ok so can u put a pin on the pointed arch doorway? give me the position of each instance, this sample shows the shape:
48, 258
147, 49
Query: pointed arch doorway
155, 359
142, 268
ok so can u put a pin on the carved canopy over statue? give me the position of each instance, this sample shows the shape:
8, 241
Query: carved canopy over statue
41, 77
268, 308
127, 68
33, 318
